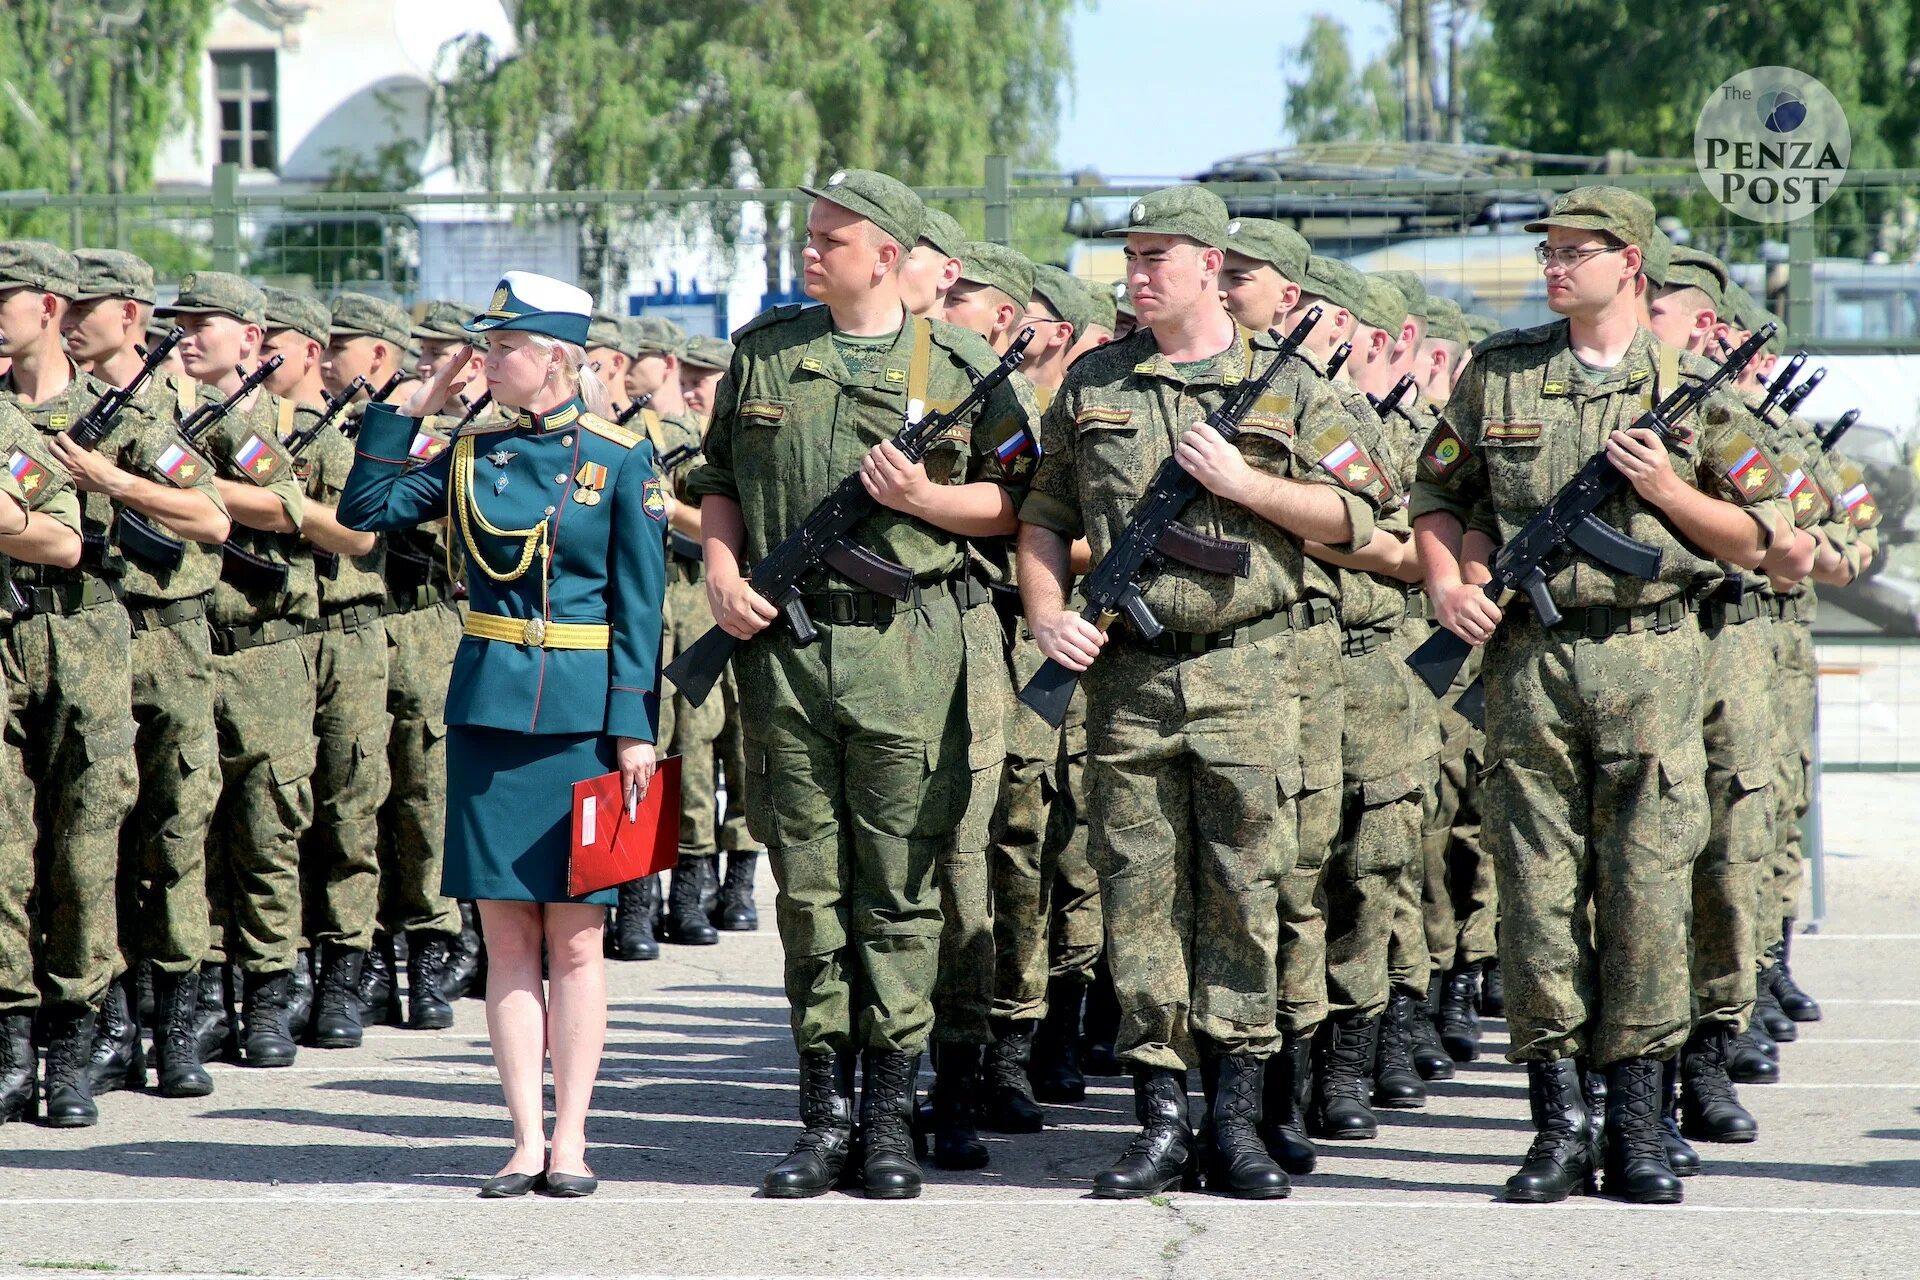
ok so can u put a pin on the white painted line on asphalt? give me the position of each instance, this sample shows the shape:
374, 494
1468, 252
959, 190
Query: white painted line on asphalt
1795, 1084
1856, 937
1829, 1000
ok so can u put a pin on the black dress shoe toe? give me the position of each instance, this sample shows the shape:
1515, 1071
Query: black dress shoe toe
508, 1185
568, 1186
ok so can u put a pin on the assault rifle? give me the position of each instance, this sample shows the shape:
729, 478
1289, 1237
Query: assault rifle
1154, 535
1568, 524
474, 410
673, 457
821, 540
201, 420
1838, 429
300, 441
1388, 403
1778, 389
1340, 355
1793, 399
632, 411
138, 536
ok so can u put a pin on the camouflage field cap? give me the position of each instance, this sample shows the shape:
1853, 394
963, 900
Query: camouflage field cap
302, 313
1186, 210
361, 315
1274, 243
1697, 269
440, 321
35, 264
1657, 259
113, 273
1382, 305
1336, 281
708, 353
887, 203
1412, 289
943, 233
1614, 210
654, 336
1738, 308
1444, 320
1122, 300
604, 331
1481, 326
218, 293
1067, 298
998, 267
1105, 310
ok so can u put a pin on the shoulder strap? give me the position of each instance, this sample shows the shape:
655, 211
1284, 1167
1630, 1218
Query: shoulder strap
1666, 373
287, 408
919, 366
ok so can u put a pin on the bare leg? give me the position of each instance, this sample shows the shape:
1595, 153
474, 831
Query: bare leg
516, 1023
576, 1024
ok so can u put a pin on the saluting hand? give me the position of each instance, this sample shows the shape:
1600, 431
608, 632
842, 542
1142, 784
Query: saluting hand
449, 380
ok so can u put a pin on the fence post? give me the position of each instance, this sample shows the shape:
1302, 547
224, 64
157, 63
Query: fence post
226, 218
1800, 251
999, 206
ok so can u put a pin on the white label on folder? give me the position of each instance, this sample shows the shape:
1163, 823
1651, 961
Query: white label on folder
587, 808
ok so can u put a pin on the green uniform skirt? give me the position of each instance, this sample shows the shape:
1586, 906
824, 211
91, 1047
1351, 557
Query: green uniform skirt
510, 812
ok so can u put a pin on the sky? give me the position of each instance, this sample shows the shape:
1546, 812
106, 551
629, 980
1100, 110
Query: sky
1214, 83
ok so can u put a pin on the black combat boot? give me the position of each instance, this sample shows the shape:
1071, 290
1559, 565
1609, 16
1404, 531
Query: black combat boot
956, 1101
336, 1014
1006, 1091
379, 992
1593, 1088
1396, 1083
215, 1025
467, 961
1748, 1063
709, 885
1343, 1053
1709, 1108
143, 996
176, 1046
19, 1069
1767, 1012
633, 920
1237, 1161
1287, 1095
1160, 1157
300, 1007
814, 1164
70, 1102
1430, 1057
1560, 1162
1055, 1071
1636, 1166
734, 912
1681, 1157
427, 1007
1493, 989
119, 1058
686, 921
1795, 1003
1459, 1016
888, 1171
1100, 1026
266, 1040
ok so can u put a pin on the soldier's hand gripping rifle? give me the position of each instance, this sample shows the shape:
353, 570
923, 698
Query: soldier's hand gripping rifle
1155, 535
202, 420
138, 536
1567, 524
822, 539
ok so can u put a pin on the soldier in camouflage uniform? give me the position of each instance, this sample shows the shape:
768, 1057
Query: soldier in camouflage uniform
1596, 788
165, 585
39, 525
1193, 764
857, 753
263, 681
69, 669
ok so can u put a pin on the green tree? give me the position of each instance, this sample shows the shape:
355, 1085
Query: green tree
90, 88
1327, 100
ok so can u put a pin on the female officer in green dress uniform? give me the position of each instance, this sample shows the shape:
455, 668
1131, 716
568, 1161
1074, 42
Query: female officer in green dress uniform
560, 517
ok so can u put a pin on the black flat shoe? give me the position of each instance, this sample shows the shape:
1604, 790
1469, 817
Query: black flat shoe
568, 1186
508, 1185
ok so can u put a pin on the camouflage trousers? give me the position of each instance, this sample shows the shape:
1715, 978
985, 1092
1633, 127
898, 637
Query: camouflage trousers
1078, 926
1738, 725
694, 729
340, 853
1595, 809
68, 781
1301, 976
856, 776
729, 750
413, 821
969, 890
263, 711
1192, 781
1385, 759
1454, 904
163, 845
1021, 856
1781, 880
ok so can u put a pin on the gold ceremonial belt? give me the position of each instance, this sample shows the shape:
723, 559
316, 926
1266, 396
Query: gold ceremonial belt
536, 633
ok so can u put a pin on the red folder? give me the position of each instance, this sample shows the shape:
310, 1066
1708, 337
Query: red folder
612, 846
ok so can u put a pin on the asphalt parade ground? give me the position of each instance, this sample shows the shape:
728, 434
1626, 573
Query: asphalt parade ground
365, 1162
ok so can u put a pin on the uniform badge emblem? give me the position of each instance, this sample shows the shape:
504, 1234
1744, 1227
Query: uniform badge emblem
1138, 213
178, 464
654, 499
425, 448
1233, 228
500, 296
839, 176
26, 473
257, 460
501, 457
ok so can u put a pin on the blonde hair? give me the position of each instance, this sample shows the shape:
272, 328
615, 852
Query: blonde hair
573, 358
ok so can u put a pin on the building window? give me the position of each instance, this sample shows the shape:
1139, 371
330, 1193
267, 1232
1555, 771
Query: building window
244, 86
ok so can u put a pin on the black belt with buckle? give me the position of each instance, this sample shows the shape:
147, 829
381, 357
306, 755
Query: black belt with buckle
232, 640
1597, 622
1192, 644
160, 617
348, 620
